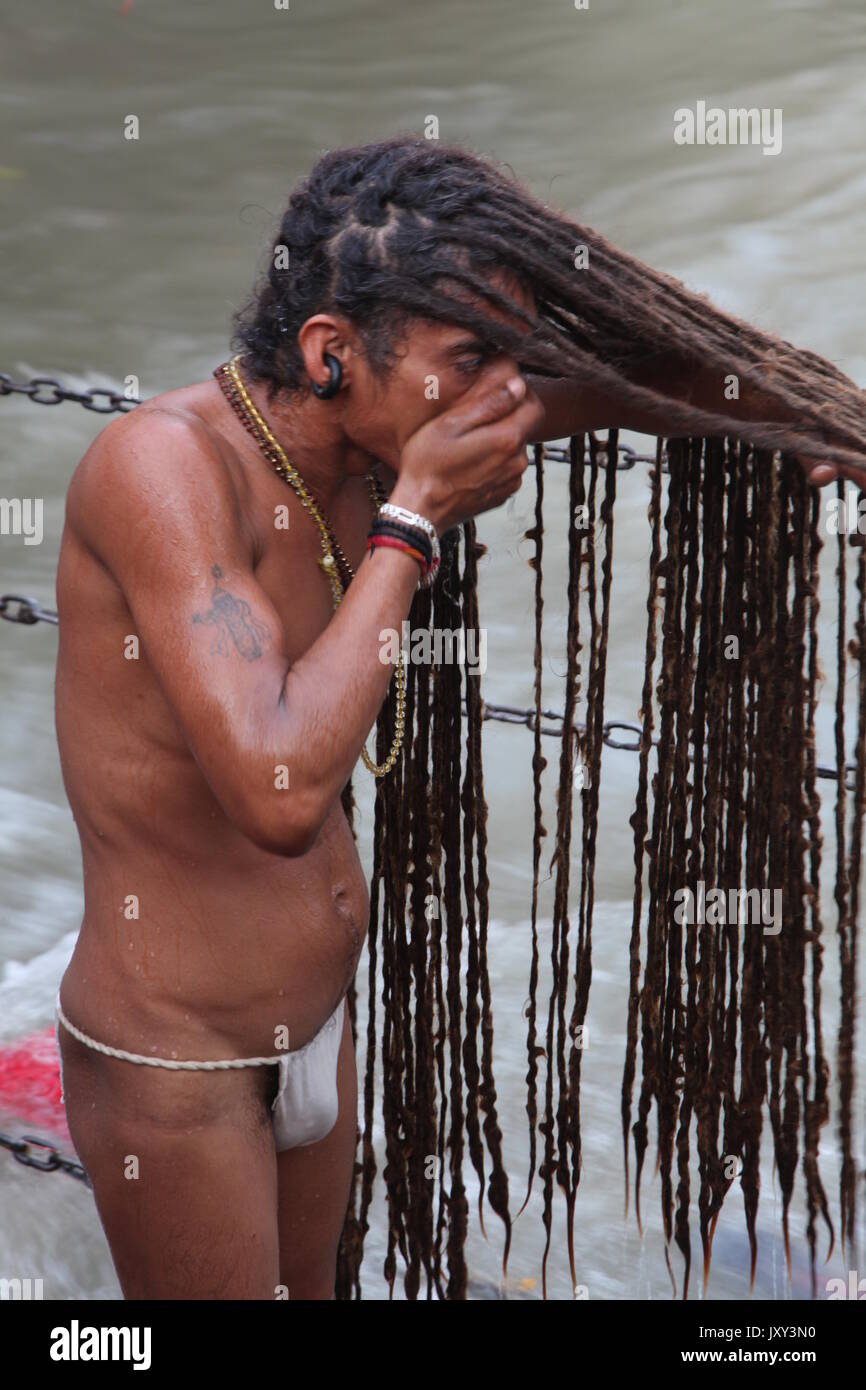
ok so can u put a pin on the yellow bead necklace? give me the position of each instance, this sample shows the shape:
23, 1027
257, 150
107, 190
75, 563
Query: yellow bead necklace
333, 558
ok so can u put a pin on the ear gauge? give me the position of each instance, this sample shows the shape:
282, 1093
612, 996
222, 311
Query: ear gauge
335, 376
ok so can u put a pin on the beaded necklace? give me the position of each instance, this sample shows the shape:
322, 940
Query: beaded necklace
333, 562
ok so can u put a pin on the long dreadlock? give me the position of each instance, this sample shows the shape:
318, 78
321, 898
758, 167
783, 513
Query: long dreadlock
728, 1023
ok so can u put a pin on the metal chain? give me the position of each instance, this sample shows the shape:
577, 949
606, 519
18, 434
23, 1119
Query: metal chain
18, 608
44, 390
52, 1162
511, 714
627, 457
29, 611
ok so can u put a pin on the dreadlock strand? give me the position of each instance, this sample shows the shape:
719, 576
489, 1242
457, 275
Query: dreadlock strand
815, 1098
639, 818
848, 943
539, 763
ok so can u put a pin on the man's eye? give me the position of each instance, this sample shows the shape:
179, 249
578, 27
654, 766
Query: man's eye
467, 365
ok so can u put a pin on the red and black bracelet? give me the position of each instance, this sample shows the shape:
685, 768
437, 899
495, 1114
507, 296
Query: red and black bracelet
397, 535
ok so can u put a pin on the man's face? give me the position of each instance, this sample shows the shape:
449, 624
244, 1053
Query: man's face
435, 366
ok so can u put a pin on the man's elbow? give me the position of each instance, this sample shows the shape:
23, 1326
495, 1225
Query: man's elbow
287, 823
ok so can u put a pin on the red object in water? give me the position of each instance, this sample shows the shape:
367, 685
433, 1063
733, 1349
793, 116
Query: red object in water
30, 1084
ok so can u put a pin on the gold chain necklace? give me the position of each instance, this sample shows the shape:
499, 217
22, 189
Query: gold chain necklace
332, 559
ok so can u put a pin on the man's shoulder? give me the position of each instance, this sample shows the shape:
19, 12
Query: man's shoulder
160, 475
166, 452
171, 420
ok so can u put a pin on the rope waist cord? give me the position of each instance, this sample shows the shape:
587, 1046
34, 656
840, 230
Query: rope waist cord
168, 1063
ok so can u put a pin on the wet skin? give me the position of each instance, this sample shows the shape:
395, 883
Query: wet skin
218, 908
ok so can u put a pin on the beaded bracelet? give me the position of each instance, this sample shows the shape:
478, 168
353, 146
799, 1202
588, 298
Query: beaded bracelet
388, 509
406, 533
394, 514
395, 543
415, 544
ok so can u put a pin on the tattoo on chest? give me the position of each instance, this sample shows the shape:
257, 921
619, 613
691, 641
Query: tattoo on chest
233, 623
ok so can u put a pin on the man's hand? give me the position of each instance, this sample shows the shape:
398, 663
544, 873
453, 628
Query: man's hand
470, 458
820, 473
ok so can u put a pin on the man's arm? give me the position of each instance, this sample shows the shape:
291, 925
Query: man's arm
570, 408
156, 504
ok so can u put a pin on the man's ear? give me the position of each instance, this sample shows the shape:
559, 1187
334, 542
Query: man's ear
325, 333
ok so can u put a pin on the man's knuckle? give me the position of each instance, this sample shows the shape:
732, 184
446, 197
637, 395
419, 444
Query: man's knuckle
513, 438
498, 402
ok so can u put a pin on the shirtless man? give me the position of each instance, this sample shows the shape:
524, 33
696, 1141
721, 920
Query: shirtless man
199, 652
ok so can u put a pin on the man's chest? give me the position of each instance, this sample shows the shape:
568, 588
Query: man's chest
289, 548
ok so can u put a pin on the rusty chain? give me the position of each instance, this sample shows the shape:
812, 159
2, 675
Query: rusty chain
510, 714
52, 1162
29, 611
44, 390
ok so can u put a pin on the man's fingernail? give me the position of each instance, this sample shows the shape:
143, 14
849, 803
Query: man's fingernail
516, 387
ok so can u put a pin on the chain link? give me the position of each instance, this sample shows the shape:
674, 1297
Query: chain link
44, 390
30, 610
51, 1162
512, 714
627, 457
